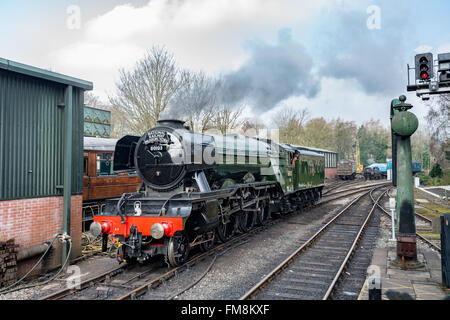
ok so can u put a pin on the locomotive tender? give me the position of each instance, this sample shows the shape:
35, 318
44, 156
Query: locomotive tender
201, 188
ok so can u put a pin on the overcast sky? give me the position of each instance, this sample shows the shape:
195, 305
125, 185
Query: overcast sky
337, 58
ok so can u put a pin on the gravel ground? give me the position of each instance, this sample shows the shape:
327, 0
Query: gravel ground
385, 233
238, 270
235, 272
88, 268
232, 274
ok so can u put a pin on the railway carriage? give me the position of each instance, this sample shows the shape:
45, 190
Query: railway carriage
199, 188
99, 180
346, 169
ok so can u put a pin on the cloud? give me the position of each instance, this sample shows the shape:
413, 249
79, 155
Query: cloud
202, 34
338, 98
271, 74
345, 99
372, 57
423, 49
99, 55
213, 36
195, 15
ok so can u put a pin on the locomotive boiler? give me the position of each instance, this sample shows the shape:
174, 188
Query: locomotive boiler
201, 188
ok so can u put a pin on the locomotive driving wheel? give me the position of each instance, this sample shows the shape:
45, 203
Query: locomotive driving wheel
264, 213
178, 249
246, 217
226, 228
316, 195
206, 246
247, 220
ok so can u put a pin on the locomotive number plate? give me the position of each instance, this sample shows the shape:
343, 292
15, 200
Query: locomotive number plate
157, 148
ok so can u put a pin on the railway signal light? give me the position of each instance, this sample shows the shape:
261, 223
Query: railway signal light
424, 66
444, 66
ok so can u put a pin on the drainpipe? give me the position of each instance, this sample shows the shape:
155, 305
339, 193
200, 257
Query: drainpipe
32, 252
67, 169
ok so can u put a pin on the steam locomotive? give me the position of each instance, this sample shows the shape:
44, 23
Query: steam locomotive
201, 188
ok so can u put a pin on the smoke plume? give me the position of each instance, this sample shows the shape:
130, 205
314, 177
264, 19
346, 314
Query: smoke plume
271, 74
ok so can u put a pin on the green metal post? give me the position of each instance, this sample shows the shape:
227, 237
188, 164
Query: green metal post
405, 187
394, 143
67, 169
404, 124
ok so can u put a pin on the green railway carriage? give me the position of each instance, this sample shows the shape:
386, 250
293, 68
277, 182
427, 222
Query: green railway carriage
199, 188
307, 167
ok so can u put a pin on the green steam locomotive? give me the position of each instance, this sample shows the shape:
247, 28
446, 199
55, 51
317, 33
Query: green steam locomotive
201, 188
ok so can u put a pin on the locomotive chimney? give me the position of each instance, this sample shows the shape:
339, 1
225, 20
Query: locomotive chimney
172, 123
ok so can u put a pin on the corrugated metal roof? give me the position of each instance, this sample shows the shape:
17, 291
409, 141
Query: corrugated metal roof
99, 144
44, 74
302, 151
314, 149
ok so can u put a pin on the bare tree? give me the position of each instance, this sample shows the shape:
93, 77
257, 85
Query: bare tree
252, 127
118, 123
144, 93
91, 100
290, 123
420, 148
438, 119
195, 101
227, 118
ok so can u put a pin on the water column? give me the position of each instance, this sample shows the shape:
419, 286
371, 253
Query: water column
404, 124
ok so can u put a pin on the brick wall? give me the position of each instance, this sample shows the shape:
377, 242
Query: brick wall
330, 173
33, 221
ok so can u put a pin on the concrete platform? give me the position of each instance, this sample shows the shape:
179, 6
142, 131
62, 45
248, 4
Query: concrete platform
436, 191
422, 284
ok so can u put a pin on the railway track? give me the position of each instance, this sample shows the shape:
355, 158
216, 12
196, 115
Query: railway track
346, 192
329, 188
138, 283
420, 236
309, 273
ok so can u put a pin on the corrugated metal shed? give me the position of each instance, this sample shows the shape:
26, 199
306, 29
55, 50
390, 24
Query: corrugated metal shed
32, 131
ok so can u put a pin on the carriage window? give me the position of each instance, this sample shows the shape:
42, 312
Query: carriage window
104, 164
85, 166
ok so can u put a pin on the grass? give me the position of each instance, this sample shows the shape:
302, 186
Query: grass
432, 206
430, 235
